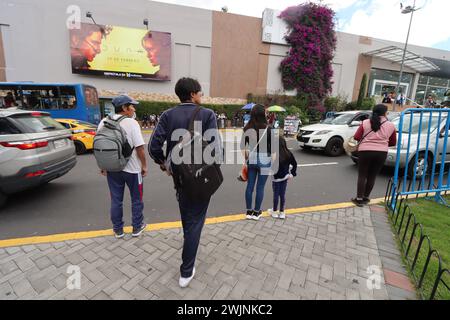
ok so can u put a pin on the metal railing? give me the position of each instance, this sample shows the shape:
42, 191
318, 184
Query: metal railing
414, 244
422, 151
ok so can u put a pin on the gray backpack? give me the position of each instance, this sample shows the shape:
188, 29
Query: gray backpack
111, 148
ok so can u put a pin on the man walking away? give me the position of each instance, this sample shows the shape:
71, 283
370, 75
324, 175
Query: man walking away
132, 173
193, 211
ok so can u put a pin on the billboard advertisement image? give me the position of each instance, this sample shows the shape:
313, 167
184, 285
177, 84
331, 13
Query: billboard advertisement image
120, 52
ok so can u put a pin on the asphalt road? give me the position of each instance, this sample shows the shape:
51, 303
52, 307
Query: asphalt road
80, 200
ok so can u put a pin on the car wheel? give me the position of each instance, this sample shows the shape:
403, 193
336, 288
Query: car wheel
334, 147
420, 168
79, 147
3, 198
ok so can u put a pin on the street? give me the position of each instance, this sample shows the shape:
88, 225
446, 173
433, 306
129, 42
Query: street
79, 201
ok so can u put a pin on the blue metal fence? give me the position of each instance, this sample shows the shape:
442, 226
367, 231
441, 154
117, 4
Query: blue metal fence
422, 152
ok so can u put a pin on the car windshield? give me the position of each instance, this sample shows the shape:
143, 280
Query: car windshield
34, 124
339, 119
83, 123
416, 123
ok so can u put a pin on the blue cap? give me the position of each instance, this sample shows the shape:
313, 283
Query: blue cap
123, 100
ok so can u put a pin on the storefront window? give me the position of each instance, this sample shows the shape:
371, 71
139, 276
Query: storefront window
420, 94
385, 81
439, 82
423, 80
436, 87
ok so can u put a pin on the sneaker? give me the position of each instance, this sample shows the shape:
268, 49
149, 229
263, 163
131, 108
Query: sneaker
137, 233
184, 282
282, 215
274, 214
249, 215
257, 215
358, 202
119, 234
366, 200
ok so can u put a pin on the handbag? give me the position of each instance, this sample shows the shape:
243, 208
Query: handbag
243, 175
351, 145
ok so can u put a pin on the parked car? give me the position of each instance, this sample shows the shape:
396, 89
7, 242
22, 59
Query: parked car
83, 134
34, 149
420, 167
331, 133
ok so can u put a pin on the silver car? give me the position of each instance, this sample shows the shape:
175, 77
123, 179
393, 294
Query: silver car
436, 142
34, 149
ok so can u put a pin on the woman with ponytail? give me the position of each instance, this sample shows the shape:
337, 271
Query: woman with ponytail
375, 136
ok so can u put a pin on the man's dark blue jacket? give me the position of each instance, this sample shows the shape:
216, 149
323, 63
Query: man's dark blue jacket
173, 119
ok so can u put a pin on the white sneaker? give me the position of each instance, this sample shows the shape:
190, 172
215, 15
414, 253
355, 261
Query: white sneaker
249, 215
274, 214
184, 282
282, 215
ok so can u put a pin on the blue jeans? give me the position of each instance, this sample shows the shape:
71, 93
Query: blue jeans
255, 176
116, 183
193, 217
279, 194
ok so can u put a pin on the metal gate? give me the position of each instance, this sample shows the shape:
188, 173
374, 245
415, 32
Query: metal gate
422, 152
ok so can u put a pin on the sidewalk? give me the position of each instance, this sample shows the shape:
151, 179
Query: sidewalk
319, 255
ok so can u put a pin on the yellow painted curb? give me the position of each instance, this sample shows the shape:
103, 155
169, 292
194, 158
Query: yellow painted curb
162, 226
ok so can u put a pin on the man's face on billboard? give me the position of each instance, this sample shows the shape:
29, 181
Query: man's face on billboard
152, 50
91, 45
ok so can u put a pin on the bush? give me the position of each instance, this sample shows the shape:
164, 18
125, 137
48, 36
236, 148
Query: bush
337, 103
368, 104
156, 107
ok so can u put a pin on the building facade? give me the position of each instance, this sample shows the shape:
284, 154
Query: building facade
231, 55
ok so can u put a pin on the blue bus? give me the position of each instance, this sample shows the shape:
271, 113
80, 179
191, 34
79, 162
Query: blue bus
69, 101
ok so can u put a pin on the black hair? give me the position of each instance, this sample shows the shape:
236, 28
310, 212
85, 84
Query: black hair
258, 118
379, 111
186, 86
284, 153
86, 30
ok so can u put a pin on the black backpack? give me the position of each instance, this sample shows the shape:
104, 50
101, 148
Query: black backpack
198, 182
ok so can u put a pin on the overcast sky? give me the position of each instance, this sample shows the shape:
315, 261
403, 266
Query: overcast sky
375, 18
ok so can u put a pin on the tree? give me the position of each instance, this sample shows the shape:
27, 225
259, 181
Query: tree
312, 38
362, 91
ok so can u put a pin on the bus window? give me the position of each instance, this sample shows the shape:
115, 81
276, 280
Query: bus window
68, 98
91, 96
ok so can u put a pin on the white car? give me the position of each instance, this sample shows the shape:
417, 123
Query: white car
331, 133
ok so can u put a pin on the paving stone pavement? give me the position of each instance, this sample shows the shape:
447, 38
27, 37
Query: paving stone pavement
321, 255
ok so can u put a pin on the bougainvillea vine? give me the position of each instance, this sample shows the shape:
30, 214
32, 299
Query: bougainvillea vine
308, 66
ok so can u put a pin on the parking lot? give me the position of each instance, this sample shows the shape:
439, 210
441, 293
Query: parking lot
79, 201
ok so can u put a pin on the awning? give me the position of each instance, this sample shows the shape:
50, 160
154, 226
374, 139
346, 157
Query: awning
412, 60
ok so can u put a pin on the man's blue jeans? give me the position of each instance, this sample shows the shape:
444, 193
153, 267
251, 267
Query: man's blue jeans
256, 176
116, 183
193, 217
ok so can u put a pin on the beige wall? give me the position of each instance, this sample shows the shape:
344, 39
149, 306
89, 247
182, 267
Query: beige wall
364, 67
239, 59
2, 60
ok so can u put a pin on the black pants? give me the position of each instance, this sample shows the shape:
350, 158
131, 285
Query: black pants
193, 217
370, 165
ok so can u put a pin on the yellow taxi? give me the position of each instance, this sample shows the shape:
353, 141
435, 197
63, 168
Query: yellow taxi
83, 133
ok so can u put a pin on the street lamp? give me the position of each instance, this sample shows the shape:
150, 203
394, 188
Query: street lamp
406, 10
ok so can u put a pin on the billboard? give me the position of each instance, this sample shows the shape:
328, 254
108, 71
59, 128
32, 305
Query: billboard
120, 52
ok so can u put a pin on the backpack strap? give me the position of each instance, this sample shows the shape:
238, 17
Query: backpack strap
194, 116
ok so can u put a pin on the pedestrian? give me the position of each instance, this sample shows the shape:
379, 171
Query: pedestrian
287, 169
193, 212
375, 136
257, 150
135, 169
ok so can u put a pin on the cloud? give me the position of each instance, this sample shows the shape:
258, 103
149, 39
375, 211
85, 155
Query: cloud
384, 20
